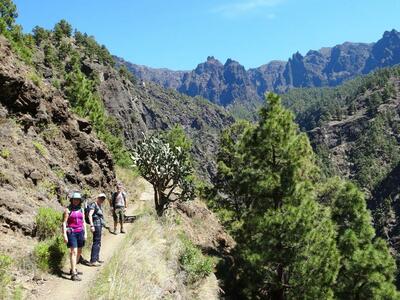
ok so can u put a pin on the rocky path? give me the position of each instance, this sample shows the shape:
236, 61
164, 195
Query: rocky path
62, 288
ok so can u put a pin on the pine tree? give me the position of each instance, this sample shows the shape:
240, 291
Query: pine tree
40, 34
230, 162
287, 240
62, 29
8, 14
366, 269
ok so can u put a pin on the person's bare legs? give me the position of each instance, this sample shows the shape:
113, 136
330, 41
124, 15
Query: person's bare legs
78, 256
121, 222
72, 257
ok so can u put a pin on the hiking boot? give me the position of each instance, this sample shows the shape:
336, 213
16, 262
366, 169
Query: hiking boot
94, 264
77, 272
100, 261
75, 277
82, 261
122, 231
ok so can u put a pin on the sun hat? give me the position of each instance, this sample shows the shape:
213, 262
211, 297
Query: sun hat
76, 195
102, 195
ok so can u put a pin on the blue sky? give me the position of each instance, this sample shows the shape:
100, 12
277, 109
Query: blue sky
179, 34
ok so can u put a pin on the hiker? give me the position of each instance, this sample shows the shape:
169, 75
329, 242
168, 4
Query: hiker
74, 232
96, 221
118, 204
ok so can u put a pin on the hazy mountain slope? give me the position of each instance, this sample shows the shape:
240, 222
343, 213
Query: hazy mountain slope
164, 77
225, 83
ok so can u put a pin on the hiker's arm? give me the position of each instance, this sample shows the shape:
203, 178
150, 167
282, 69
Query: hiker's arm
90, 216
84, 227
64, 225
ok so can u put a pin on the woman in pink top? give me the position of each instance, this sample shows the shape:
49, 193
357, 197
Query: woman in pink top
74, 231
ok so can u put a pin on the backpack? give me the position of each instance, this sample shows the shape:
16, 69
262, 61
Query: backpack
114, 197
87, 210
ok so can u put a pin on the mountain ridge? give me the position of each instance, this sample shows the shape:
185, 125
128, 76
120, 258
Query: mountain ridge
226, 83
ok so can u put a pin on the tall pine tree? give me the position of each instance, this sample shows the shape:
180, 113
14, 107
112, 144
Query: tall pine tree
366, 267
287, 240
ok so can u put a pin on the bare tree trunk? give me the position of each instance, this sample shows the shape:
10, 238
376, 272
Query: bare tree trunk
157, 200
279, 294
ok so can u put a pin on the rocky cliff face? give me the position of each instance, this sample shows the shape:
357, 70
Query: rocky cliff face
45, 152
229, 82
217, 82
384, 53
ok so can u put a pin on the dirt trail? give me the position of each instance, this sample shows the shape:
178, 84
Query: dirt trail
62, 288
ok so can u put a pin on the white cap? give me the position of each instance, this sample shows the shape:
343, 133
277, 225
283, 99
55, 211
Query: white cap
102, 195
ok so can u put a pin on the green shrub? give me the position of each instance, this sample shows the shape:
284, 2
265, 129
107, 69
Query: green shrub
50, 132
18, 293
192, 260
48, 223
50, 57
35, 78
124, 72
48, 188
22, 44
5, 153
56, 83
86, 192
40, 148
59, 172
4, 179
50, 254
5, 279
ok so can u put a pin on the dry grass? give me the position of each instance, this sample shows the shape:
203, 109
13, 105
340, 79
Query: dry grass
147, 265
140, 269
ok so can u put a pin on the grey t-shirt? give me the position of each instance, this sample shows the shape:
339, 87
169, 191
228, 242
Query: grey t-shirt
120, 199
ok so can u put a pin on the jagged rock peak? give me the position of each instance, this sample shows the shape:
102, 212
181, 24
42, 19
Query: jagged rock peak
391, 34
212, 60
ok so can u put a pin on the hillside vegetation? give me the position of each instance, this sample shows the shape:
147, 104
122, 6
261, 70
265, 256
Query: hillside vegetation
297, 233
354, 127
354, 130
69, 115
